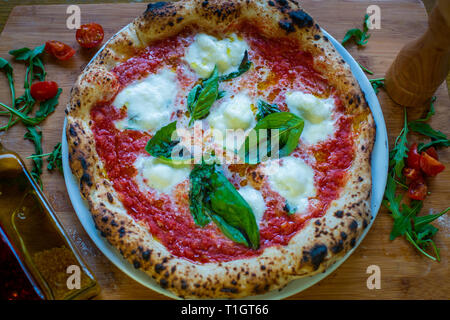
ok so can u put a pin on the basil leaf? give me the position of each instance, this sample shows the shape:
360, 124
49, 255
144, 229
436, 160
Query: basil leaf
193, 96
244, 66
288, 127
206, 97
265, 108
161, 145
212, 196
229, 231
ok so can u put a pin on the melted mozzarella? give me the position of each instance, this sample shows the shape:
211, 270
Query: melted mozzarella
234, 113
255, 200
293, 180
148, 102
316, 113
159, 175
207, 51
230, 121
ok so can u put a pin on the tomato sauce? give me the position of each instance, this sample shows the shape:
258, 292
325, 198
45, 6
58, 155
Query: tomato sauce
169, 220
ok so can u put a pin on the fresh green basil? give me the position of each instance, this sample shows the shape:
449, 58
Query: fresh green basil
288, 127
213, 197
161, 145
244, 66
265, 108
201, 99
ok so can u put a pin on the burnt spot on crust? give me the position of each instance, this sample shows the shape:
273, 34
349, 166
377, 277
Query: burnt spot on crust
352, 242
164, 283
72, 131
339, 214
317, 37
146, 254
338, 247
136, 264
343, 235
353, 225
229, 290
121, 232
282, 3
286, 26
85, 178
301, 19
318, 254
110, 197
159, 267
151, 7
271, 3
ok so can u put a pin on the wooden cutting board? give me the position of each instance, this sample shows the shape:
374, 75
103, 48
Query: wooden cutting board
405, 274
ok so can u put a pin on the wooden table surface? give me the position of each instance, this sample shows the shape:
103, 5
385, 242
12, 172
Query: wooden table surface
405, 274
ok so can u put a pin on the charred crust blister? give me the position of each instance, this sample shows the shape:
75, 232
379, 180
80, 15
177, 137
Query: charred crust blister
318, 254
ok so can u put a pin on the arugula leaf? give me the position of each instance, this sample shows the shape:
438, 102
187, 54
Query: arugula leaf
213, 197
376, 84
45, 108
361, 37
265, 108
35, 136
205, 97
162, 145
283, 127
365, 69
7, 68
399, 152
25, 54
244, 66
420, 222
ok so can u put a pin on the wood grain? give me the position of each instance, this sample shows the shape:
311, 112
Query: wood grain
405, 274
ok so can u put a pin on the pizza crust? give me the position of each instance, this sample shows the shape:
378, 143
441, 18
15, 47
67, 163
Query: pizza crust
313, 249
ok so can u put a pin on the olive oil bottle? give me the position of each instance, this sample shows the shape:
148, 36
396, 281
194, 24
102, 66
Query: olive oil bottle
37, 259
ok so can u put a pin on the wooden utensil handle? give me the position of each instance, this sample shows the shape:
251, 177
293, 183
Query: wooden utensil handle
423, 64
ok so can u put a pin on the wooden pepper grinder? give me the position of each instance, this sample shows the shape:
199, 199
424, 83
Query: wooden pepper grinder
423, 64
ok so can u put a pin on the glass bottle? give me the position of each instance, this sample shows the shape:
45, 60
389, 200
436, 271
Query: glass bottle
37, 259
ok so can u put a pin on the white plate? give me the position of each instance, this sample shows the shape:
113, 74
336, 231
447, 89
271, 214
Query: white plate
379, 176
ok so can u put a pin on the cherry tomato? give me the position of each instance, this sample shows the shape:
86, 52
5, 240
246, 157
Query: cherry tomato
432, 152
90, 35
430, 165
44, 90
59, 50
417, 190
413, 159
412, 174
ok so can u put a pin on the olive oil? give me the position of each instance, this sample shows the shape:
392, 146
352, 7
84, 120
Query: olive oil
34, 237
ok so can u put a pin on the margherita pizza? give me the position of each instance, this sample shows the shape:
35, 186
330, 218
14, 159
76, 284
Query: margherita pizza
149, 125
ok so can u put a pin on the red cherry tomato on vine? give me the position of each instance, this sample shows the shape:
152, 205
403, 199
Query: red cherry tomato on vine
59, 50
44, 90
90, 35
